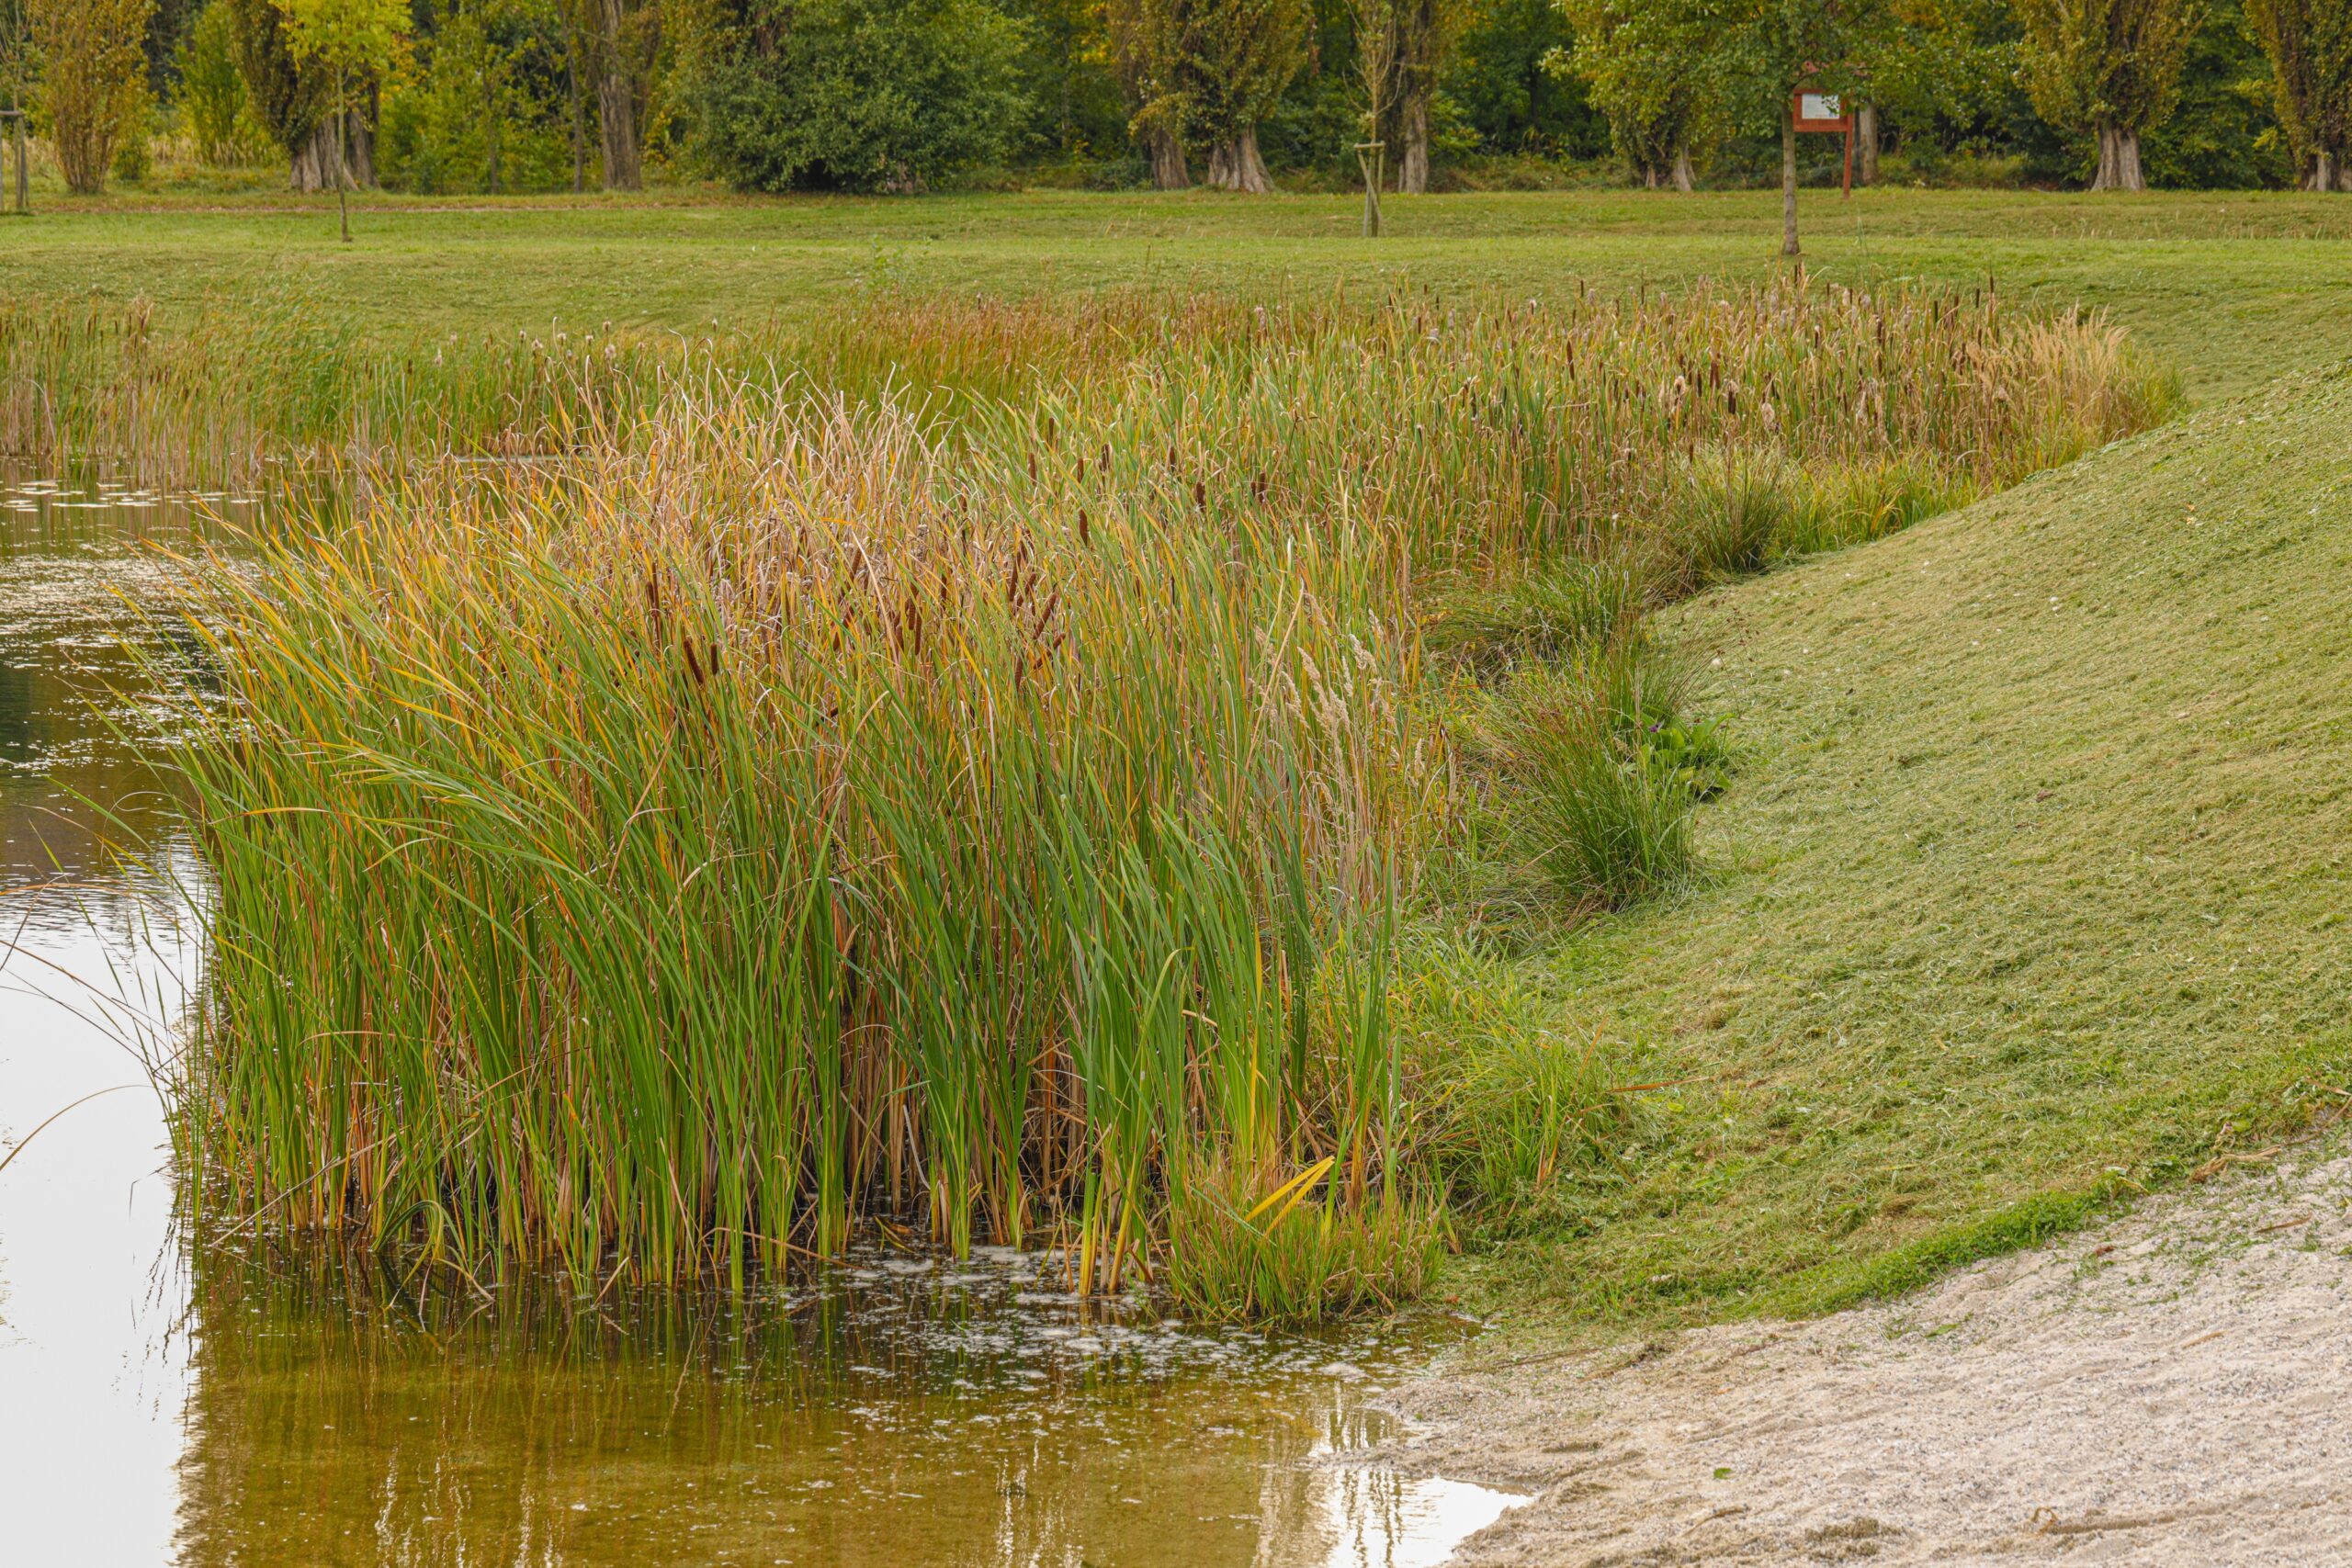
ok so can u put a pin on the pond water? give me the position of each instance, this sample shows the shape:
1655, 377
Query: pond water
248, 1402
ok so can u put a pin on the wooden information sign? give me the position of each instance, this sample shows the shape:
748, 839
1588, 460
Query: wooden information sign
1827, 112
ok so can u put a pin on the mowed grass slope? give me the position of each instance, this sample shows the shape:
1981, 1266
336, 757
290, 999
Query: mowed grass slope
2032, 890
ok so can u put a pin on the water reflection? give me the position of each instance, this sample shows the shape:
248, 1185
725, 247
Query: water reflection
902, 1411
85, 575
256, 1403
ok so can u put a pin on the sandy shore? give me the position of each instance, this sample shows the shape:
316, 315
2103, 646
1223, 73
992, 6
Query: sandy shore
2174, 1388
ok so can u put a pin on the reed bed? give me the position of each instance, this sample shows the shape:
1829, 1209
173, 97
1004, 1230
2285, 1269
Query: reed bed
815, 798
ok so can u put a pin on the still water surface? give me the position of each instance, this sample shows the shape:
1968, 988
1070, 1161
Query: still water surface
248, 1403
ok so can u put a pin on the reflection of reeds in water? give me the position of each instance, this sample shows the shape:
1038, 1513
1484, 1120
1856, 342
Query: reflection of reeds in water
345, 1411
791, 807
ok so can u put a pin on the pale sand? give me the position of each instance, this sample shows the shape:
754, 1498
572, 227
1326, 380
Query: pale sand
2173, 1388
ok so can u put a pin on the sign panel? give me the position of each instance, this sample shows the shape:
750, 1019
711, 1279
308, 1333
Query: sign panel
1820, 111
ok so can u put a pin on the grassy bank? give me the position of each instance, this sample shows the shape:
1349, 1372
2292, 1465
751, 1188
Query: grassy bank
2029, 896
803, 801
2233, 287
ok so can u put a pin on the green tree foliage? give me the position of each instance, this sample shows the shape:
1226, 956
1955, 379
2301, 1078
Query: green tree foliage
1649, 71
2111, 67
93, 83
1206, 73
1075, 106
858, 94
2310, 46
2223, 129
211, 89
1507, 82
1943, 62
1237, 56
486, 106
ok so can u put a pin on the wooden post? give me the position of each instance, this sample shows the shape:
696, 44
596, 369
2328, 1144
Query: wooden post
1368, 159
1811, 110
24, 172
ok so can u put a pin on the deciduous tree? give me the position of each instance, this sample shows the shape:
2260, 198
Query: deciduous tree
619, 42
1238, 55
92, 80
1649, 69
2310, 45
294, 100
213, 91
353, 40
1425, 33
1763, 50
1146, 38
1205, 71
2111, 67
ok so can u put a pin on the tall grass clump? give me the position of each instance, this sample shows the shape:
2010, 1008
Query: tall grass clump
1605, 771
671, 860
810, 792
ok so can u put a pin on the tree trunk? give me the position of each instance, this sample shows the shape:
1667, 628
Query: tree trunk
2326, 174
616, 105
313, 166
1788, 246
617, 120
579, 131
1168, 170
1413, 172
1236, 165
1866, 145
342, 163
489, 129
1649, 175
2119, 160
1684, 180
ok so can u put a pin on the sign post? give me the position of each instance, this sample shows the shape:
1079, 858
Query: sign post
1827, 112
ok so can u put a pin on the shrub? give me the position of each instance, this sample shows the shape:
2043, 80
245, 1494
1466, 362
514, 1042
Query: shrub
861, 95
93, 80
212, 90
133, 158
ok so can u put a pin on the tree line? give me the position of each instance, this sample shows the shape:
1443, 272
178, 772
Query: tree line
907, 94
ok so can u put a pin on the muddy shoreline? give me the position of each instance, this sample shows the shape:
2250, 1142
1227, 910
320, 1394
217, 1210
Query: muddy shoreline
2168, 1388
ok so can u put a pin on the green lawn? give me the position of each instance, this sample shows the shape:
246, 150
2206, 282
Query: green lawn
2237, 286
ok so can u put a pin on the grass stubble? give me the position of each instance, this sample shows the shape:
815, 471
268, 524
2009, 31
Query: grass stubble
1040, 811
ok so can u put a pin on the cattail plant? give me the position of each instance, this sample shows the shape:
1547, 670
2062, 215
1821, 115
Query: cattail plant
975, 767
